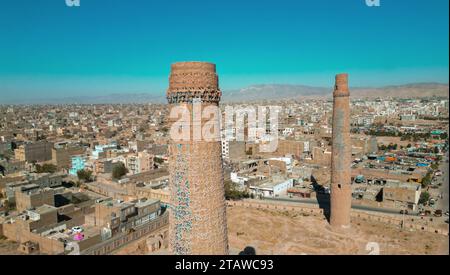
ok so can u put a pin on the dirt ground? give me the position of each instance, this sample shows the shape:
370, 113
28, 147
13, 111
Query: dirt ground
270, 232
8, 247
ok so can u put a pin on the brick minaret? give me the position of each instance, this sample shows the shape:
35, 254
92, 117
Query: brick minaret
198, 209
341, 192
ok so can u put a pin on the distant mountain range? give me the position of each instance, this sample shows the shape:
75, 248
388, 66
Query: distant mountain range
286, 92
260, 93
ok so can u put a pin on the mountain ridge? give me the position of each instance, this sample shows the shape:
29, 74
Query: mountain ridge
260, 92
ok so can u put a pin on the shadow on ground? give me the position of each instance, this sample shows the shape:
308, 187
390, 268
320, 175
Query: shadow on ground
323, 199
249, 250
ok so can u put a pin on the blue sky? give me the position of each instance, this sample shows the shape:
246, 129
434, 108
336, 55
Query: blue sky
126, 46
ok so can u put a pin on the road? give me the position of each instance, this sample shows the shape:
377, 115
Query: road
443, 202
358, 207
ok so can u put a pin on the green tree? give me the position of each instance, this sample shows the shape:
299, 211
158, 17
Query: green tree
84, 175
231, 192
10, 206
119, 171
158, 160
427, 179
46, 168
424, 198
434, 166
436, 150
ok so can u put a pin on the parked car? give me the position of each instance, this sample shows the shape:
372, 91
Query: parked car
77, 229
438, 213
446, 213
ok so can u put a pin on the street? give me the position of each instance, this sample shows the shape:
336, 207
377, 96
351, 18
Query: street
443, 202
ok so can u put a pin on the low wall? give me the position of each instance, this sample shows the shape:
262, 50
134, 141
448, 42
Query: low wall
46, 245
313, 210
116, 242
413, 223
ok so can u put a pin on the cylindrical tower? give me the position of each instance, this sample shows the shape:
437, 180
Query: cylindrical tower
198, 207
341, 192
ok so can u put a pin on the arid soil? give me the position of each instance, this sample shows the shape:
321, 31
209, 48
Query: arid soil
8, 248
275, 232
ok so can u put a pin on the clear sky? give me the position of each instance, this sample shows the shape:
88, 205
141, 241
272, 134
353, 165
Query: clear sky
126, 46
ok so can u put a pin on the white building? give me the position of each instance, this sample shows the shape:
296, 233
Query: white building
272, 188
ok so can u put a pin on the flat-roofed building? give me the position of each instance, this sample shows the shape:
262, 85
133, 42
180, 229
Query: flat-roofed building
273, 187
38, 151
402, 194
62, 157
33, 198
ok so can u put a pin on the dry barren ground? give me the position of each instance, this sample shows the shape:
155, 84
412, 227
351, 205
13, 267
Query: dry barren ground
8, 248
274, 232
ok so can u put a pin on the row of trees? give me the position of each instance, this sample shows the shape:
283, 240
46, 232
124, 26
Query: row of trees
379, 133
232, 192
391, 146
85, 175
424, 198
119, 171
415, 136
46, 168
427, 179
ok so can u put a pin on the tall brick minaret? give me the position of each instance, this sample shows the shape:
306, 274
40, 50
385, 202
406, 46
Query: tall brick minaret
341, 191
198, 210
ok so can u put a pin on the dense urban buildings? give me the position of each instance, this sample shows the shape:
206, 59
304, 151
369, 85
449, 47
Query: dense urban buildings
97, 178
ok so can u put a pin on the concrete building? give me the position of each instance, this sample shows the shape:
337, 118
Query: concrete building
341, 191
34, 198
78, 163
34, 152
293, 147
273, 187
106, 225
232, 150
402, 194
99, 150
140, 163
11, 167
33, 181
198, 209
62, 156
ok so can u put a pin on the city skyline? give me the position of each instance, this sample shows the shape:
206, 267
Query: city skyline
110, 47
